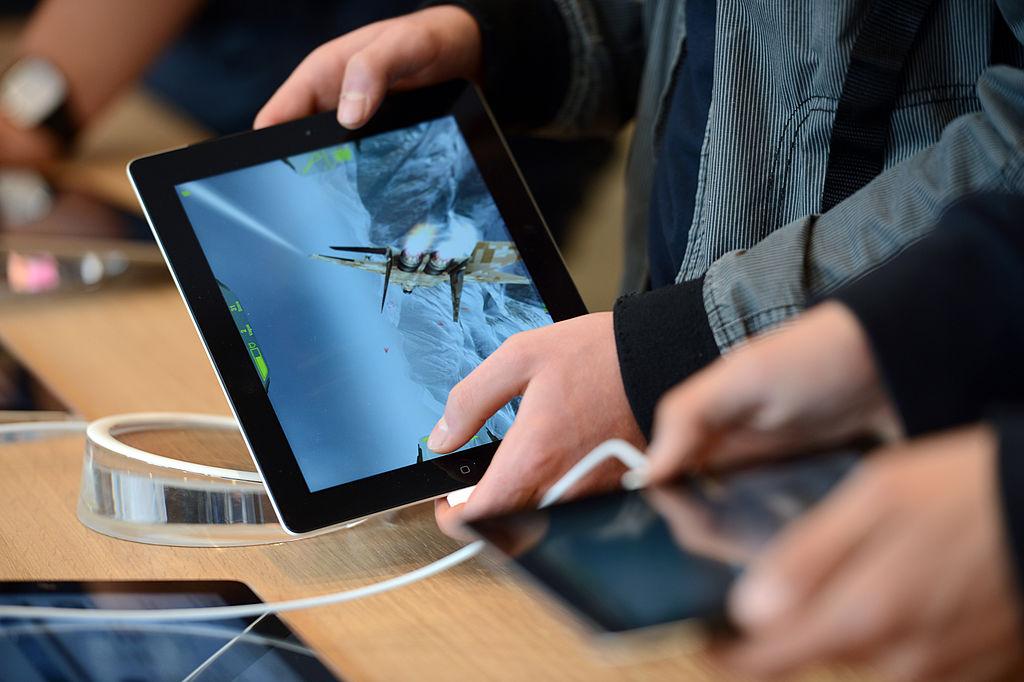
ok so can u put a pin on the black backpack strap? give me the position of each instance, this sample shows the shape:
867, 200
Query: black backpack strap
873, 84
1006, 49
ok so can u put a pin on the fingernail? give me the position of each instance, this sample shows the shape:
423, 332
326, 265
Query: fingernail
351, 108
438, 436
759, 601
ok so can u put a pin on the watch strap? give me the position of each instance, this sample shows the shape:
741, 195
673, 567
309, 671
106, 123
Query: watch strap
62, 125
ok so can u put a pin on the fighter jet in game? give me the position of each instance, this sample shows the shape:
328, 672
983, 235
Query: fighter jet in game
422, 262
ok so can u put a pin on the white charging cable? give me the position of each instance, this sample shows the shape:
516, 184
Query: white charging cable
40, 428
618, 449
635, 476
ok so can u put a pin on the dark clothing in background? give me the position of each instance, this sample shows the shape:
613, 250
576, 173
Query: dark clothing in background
946, 323
648, 364
946, 318
673, 198
526, 51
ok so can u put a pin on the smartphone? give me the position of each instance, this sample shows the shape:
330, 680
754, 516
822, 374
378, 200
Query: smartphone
632, 561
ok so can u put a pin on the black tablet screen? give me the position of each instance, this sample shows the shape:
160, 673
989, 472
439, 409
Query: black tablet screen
367, 279
630, 560
259, 649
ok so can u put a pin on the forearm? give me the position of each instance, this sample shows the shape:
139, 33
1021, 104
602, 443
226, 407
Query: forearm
102, 45
748, 291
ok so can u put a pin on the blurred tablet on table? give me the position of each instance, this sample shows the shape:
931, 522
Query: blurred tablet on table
53, 240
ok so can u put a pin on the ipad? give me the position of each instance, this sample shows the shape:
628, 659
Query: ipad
259, 649
630, 562
343, 282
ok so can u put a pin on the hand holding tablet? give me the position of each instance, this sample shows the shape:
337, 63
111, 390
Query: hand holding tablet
572, 400
344, 282
354, 72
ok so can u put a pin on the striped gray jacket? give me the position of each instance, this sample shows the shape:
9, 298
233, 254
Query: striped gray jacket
779, 70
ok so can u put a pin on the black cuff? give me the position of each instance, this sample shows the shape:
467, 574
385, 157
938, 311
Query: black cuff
526, 58
662, 337
1010, 431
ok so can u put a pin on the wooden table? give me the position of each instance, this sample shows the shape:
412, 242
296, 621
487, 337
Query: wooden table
116, 351
134, 349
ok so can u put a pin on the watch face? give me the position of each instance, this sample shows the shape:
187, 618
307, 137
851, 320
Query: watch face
30, 91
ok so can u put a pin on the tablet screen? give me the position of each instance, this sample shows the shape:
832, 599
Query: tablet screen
258, 649
367, 279
631, 560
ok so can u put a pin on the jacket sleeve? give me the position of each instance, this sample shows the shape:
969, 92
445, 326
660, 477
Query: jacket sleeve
1009, 426
560, 67
748, 291
661, 338
944, 318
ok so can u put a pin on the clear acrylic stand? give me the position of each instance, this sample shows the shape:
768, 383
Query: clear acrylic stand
132, 494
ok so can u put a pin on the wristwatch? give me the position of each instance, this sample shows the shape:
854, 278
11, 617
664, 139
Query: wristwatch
34, 94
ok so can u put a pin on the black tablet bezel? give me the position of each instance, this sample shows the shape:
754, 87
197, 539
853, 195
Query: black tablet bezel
232, 592
155, 179
584, 607
810, 476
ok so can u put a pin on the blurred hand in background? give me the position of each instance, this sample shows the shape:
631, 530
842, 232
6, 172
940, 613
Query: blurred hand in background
904, 569
31, 148
810, 385
99, 47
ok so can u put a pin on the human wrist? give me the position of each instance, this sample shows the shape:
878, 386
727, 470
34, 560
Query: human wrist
525, 81
457, 30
